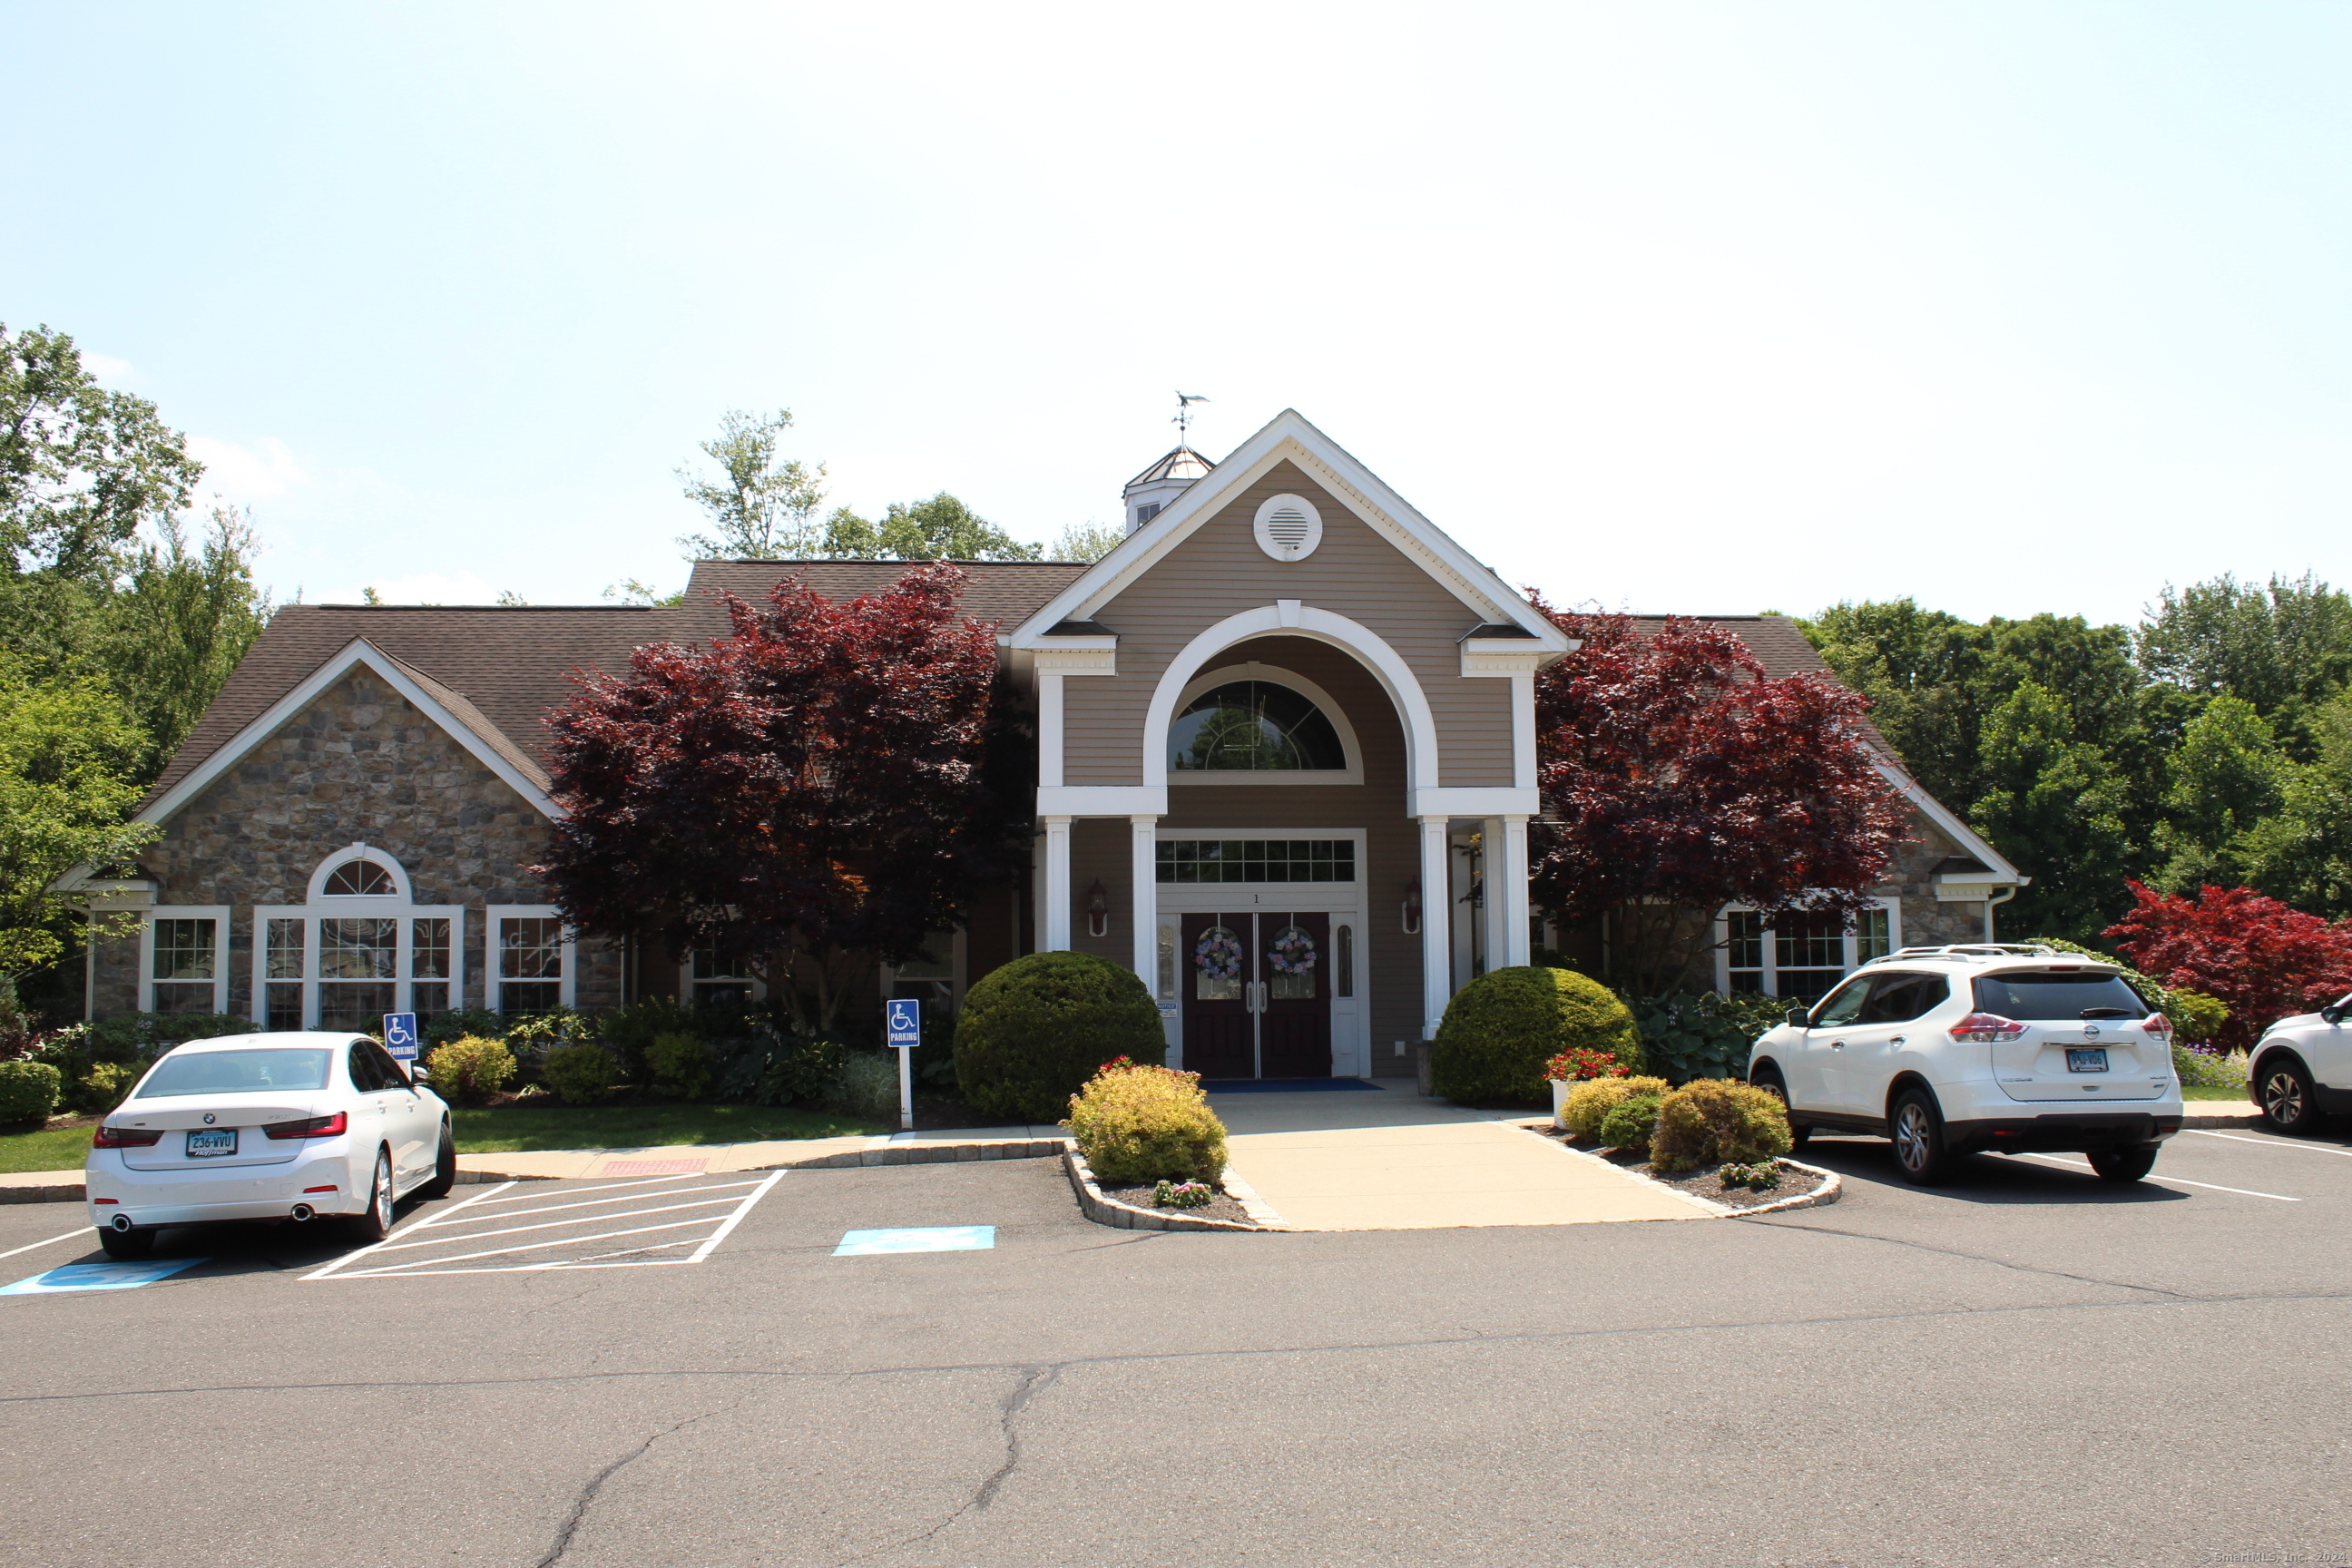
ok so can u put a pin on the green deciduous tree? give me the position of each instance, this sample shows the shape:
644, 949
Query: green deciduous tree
1088, 541
185, 617
2284, 646
2303, 854
939, 529
67, 755
2225, 777
2054, 805
761, 510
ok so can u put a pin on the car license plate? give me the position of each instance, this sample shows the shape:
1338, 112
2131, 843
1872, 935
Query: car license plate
212, 1141
2092, 1060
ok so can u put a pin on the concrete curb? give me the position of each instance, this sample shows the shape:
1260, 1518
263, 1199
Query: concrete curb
1832, 1188
931, 1154
1127, 1216
2246, 1117
48, 1193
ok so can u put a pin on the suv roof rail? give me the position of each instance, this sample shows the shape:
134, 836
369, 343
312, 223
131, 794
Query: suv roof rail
1988, 950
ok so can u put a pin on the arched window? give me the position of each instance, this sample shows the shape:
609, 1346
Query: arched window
1254, 726
362, 877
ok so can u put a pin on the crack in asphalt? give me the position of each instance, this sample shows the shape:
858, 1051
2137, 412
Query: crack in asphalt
1034, 1381
1532, 1336
1774, 1222
580, 1505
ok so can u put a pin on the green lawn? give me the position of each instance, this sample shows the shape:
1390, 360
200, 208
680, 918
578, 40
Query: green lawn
517, 1129
51, 1149
2239, 1095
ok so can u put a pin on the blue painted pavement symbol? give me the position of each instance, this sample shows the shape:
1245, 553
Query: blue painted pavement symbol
98, 1277
925, 1238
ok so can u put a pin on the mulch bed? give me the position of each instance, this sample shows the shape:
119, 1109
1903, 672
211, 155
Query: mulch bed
1219, 1206
1702, 1183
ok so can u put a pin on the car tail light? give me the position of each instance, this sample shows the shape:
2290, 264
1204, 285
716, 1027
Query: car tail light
309, 1127
1987, 1029
307, 1191
2158, 1025
125, 1137
116, 1201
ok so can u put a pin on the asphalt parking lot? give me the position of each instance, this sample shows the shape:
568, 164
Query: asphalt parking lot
2028, 1367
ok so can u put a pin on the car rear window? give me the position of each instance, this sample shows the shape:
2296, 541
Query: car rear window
238, 1072
2047, 998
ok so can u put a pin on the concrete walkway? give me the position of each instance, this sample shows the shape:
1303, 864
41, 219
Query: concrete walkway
1342, 1160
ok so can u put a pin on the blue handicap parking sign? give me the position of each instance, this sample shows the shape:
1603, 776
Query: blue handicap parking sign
400, 1035
906, 1022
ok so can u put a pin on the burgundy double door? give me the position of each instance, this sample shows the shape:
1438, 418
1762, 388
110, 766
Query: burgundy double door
1256, 987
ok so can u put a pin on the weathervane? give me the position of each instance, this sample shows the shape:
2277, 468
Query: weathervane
1184, 401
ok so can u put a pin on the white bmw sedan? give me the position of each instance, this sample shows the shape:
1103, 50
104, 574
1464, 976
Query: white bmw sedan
291, 1126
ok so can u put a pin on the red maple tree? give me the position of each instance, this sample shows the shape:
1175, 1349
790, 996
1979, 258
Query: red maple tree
2266, 960
1677, 777
810, 794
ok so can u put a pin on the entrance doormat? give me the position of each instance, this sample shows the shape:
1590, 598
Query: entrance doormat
1284, 1085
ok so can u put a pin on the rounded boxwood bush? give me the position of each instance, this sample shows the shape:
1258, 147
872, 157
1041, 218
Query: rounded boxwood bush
28, 1091
470, 1070
1136, 1124
1032, 1033
580, 1075
1502, 1027
1716, 1121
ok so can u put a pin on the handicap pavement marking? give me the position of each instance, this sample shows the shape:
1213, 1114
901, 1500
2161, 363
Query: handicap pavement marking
100, 1277
921, 1238
496, 1229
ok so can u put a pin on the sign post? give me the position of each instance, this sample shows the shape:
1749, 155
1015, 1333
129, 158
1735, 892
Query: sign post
400, 1035
905, 1015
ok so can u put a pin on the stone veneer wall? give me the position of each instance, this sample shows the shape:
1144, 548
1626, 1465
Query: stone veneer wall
1925, 922
361, 764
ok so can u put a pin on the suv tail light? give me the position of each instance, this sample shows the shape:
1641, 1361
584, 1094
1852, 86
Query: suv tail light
1987, 1029
125, 1137
2158, 1027
309, 1127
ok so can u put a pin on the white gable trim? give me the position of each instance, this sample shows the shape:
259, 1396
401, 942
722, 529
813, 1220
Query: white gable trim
1960, 832
357, 652
1289, 438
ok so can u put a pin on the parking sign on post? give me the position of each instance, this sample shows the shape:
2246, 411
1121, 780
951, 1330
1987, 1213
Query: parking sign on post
904, 1016
400, 1035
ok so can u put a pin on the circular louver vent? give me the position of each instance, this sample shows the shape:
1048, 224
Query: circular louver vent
1288, 528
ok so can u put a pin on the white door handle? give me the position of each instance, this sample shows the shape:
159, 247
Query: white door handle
1896, 1041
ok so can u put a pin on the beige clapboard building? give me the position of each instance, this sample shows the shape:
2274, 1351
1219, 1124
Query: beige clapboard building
1287, 765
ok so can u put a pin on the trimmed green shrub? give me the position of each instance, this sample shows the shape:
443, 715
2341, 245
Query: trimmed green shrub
680, 1064
1588, 1105
1032, 1033
470, 1070
1685, 1037
1718, 1122
1136, 1124
2196, 1018
1631, 1123
28, 1091
101, 1088
580, 1075
866, 1087
1501, 1029
800, 1072
479, 1023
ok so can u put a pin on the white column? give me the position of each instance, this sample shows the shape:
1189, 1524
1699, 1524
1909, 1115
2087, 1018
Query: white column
1523, 730
1436, 925
1054, 898
1145, 859
1049, 731
1495, 904
1507, 861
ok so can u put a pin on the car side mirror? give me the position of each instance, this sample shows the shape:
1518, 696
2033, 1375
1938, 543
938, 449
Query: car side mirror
2333, 1012
418, 1076
1800, 1016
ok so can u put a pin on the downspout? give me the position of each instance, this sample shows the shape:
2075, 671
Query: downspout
89, 971
1991, 903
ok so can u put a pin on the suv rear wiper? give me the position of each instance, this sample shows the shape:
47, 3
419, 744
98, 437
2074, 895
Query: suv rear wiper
2106, 1012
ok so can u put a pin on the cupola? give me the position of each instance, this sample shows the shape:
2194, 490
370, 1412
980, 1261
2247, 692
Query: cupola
1148, 493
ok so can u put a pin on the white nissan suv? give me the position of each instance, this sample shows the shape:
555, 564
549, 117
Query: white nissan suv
1958, 1050
2302, 1067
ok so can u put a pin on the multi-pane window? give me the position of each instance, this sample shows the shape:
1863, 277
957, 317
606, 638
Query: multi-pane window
1254, 726
1256, 860
362, 879
1802, 957
357, 961
428, 966
182, 970
713, 977
530, 964
930, 977
283, 970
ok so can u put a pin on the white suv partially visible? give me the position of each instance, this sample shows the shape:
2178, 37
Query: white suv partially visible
2302, 1069
1957, 1050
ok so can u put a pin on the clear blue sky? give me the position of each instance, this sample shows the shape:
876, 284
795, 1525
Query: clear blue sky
2012, 307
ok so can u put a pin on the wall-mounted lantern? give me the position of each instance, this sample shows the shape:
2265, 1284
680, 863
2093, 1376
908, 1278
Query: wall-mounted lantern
1413, 907
1098, 909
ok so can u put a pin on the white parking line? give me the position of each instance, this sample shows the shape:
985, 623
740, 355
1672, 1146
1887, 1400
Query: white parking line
2176, 1181
51, 1242
564, 1235
2271, 1142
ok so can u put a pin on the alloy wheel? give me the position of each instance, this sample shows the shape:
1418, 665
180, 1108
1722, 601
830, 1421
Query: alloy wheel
381, 1199
2283, 1097
1912, 1135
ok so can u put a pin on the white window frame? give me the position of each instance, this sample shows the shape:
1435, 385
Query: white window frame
493, 985
690, 988
955, 978
1892, 905
398, 906
1273, 674
217, 914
